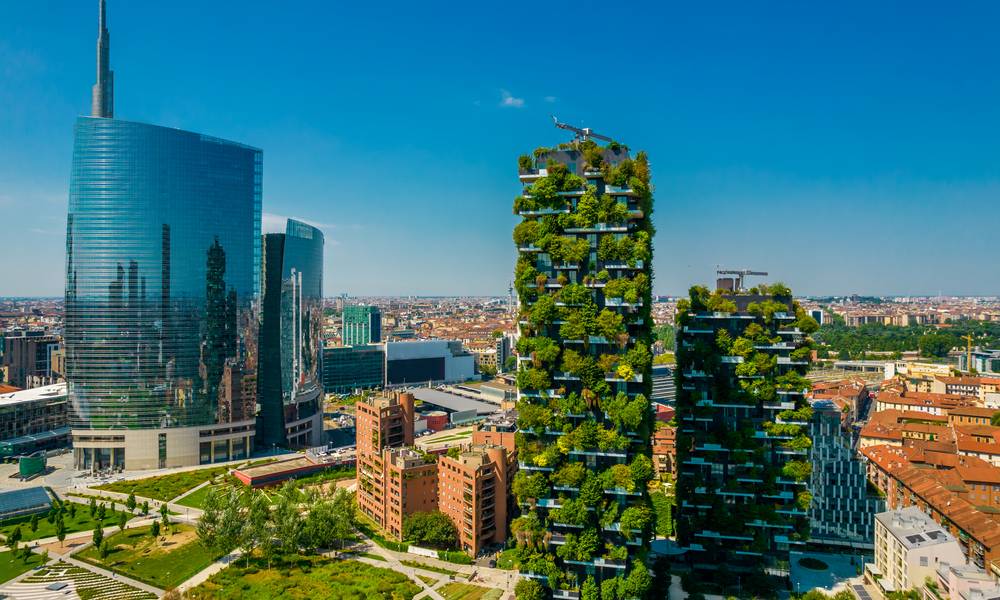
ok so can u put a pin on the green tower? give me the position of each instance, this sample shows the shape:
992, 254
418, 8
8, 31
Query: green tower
583, 278
743, 437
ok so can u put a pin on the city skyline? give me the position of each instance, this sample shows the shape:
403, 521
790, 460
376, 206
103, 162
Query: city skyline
852, 134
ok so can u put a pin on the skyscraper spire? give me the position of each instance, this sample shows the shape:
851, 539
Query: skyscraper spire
103, 92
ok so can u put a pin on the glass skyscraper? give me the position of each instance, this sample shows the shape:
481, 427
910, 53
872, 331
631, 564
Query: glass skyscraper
162, 278
362, 325
291, 338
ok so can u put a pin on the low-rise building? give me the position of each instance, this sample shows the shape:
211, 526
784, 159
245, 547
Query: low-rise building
962, 582
909, 548
33, 419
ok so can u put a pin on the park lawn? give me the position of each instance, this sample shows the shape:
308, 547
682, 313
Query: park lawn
305, 578
11, 567
196, 499
431, 568
165, 562
508, 559
164, 487
467, 591
82, 522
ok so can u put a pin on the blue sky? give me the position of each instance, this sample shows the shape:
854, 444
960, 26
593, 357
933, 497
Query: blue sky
849, 147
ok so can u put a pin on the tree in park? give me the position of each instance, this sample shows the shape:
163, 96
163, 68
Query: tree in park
72, 510
329, 521
130, 503
164, 514
154, 529
33, 523
529, 589
122, 519
102, 512
288, 525
258, 528
98, 535
113, 505
60, 529
93, 507
105, 549
14, 537
935, 345
145, 507
434, 529
210, 525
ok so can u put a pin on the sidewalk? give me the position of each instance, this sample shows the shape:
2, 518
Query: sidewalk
210, 570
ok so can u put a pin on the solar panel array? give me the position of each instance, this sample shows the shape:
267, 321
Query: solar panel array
862, 592
24, 502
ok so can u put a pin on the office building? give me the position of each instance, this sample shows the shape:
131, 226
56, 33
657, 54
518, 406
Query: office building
584, 378
664, 388
985, 361
427, 361
28, 358
843, 505
289, 379
33, 420
347, 369
909, 548
362, 325
743, 435
162, 281
473, 488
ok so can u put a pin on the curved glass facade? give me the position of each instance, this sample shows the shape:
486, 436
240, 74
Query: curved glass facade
162, 277
291, 337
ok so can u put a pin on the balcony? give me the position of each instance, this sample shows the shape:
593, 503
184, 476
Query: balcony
601, 563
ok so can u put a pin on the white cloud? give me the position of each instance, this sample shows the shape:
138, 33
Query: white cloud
509, 101
550, 99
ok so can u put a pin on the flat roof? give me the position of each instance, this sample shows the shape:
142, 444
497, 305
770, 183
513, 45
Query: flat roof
453, 402
277, 467
44, 392
913, 528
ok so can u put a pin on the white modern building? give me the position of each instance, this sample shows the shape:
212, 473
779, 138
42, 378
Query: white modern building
909, 548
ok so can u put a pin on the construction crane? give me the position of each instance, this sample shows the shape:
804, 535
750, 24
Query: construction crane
581, 134
737, 282
968, 352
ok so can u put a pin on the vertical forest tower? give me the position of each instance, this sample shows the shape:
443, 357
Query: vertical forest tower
583, 278
743, 445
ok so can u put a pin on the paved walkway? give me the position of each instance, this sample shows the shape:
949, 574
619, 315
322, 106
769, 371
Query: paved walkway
390, 557
210, 570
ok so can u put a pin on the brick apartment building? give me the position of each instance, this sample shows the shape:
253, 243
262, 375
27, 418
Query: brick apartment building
394, 480
473, 489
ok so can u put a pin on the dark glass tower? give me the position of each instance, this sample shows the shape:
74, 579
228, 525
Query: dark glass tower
743, 441
291, 339
162, 267
583, 278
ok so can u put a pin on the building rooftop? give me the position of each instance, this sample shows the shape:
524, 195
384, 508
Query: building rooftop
913, 528
53, 391
453, 402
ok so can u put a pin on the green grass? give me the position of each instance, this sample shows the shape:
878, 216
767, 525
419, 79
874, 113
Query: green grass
371, 556
162, 564
467, 591
82, 522
508, 559
165, 487
431, 568
196, 499
427, 579
11, 567
306, 578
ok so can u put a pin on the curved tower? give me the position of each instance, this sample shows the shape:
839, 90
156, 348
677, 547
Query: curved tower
291, 338
163, 255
